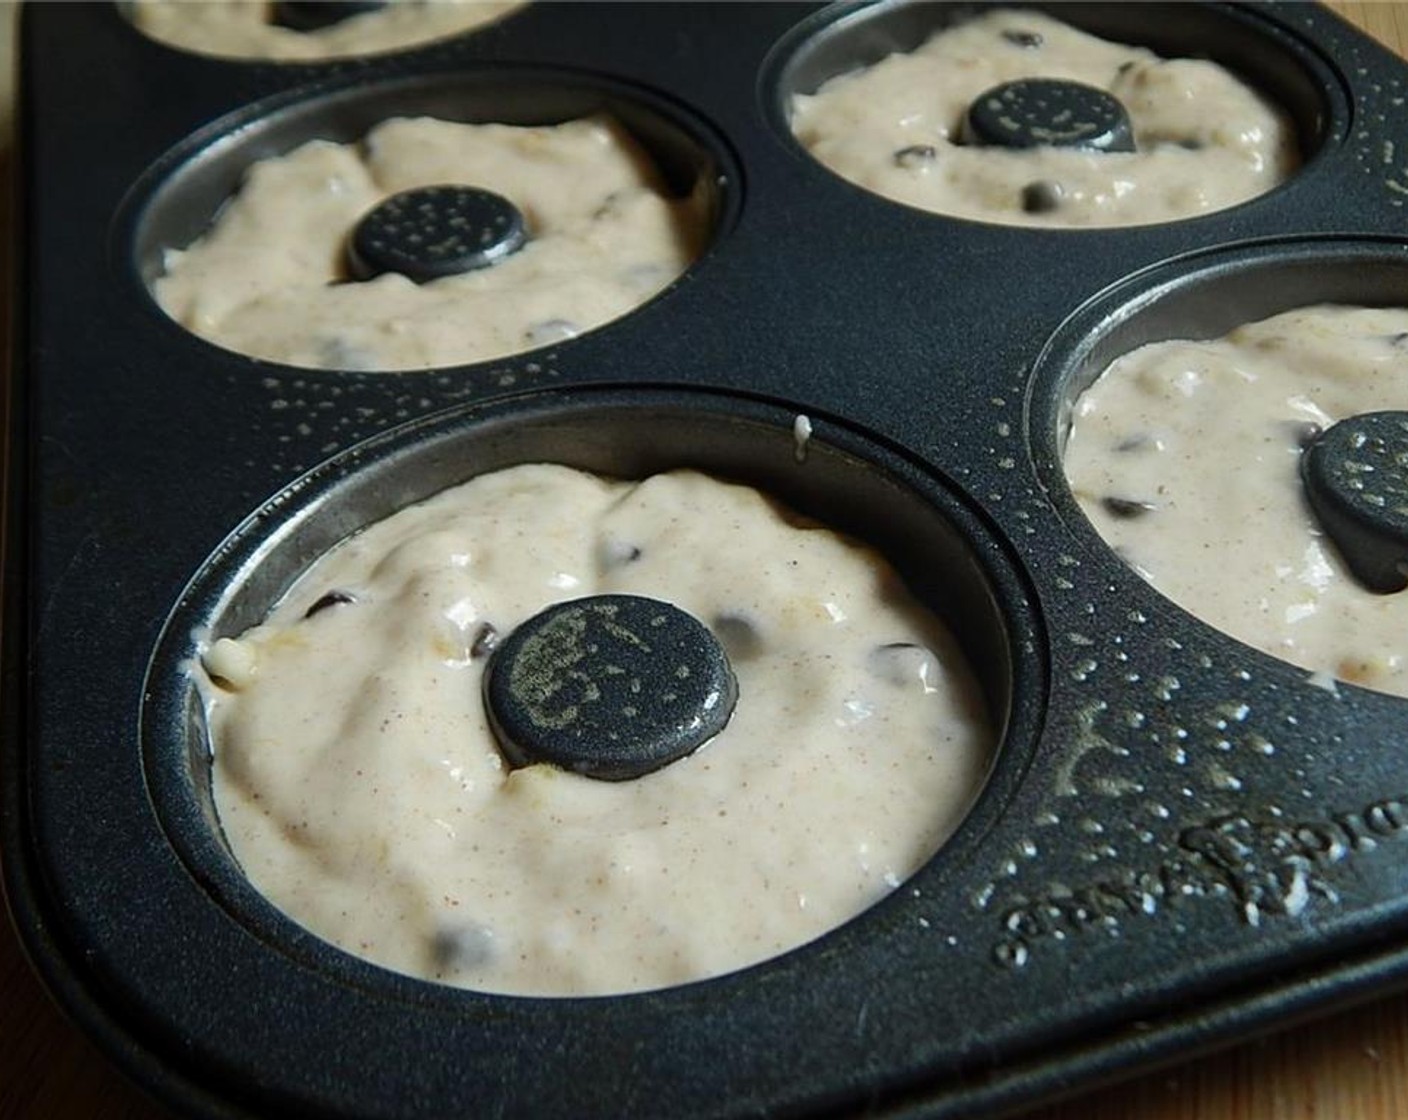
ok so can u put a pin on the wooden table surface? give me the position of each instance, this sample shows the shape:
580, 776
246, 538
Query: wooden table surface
1352, 1066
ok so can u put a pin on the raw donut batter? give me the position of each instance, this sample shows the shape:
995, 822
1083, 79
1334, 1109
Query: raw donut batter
1185, 456
361, 790
243, 28
270, 280
1203, 140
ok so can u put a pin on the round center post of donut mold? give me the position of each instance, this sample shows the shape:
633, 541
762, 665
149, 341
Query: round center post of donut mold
608, 686
314, 15
1355, 475
1049, 112
428, 233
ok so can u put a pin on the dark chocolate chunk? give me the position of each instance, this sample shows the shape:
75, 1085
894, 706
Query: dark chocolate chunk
1126, 509
608, 206
1027, 40
1042, 196
1399, 340
1141, 441
485, 639
465, 946
612, 552
331, 599
905, 664
610, 687
916, 155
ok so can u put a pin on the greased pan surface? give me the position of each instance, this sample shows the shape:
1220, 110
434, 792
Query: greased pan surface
1140, 874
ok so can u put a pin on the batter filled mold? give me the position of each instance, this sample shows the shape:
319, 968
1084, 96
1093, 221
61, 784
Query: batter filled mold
1186, 420
257, 233
309, 30
611, 886
1045, 117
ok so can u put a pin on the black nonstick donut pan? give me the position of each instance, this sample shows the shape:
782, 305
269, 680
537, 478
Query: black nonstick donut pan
1181, 839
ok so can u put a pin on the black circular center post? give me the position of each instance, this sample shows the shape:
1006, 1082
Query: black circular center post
431, 232
314, 15
610, 686
1356, 480
1048, 112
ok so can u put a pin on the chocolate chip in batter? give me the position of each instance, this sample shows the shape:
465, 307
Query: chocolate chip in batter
905, 664
485, 639
915, 156
1027, 40
1140, 441
1399, 341
467, 946
609, 205
613, 552
1126, 509
1303, 432
1042, 196
738, 634
331, 599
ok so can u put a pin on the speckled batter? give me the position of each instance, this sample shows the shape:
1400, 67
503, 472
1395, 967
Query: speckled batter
1203, 139
360, 787
270, 278
244, 28
1185, 456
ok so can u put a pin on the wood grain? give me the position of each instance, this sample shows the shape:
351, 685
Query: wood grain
1352, 1066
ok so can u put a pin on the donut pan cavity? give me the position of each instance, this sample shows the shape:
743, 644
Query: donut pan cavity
183, 192
1180, 839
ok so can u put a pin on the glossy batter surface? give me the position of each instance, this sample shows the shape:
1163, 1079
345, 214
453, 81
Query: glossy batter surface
270, 278
1204, 140
1185, 456
360, 786
246, 28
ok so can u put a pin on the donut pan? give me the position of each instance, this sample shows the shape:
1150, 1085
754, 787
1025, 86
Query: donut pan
1181, 839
